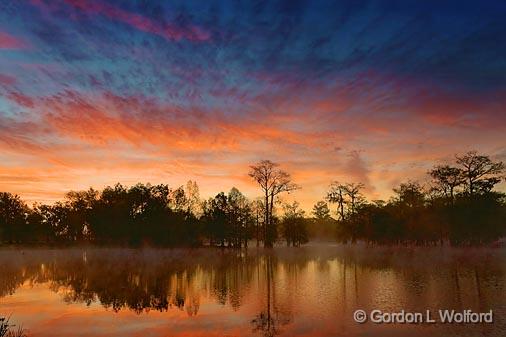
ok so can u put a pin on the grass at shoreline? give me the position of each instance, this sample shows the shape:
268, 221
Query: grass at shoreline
9, 330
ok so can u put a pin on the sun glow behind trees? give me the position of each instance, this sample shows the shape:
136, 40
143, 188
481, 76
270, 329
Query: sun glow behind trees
458, 207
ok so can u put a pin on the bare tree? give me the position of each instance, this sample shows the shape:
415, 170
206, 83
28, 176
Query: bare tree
447, 179
258, 208
353, 192
336, 194
273, 182
479, 172
345, 194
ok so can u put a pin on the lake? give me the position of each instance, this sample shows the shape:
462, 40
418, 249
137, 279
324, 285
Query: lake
307, 291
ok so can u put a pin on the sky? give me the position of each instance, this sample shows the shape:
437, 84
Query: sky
98, 92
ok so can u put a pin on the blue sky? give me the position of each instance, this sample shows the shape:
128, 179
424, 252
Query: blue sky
94, 92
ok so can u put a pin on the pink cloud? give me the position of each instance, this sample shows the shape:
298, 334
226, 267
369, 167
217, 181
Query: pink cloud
147, 137
8, 41
6, 80
168, 31
21, 99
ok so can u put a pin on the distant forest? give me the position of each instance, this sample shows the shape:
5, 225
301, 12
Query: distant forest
458, 207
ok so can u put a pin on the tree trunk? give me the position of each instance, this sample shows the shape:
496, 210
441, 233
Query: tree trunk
269, 242
266, 223
258, 230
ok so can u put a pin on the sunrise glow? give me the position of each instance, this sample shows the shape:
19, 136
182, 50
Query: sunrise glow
94, 92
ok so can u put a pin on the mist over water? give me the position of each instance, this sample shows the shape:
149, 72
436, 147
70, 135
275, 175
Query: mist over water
310, 291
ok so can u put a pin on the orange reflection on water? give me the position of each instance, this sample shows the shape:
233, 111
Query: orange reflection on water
311, 291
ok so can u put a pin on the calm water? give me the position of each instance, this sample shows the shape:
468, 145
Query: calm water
311, 291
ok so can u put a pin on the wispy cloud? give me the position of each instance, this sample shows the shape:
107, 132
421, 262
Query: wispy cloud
95, 91
8, 41
167, 30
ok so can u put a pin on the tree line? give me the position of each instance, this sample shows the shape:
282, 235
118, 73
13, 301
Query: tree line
143, 214
459, 206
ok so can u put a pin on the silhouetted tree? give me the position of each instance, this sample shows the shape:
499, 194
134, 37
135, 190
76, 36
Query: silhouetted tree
229, 219
13, 214
273, 182
479, 172
347, 196
337, 194
259, 209
355, 197
216, 219
447, 179
240, 217
294, 225
113, 218
410, 194
321, 211
477, 220
80, 206
461, 208
469, 216
322, 225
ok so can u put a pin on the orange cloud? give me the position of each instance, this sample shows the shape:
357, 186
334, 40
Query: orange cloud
319, 135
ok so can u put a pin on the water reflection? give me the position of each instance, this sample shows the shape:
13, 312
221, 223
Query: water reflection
137, 280
271, 318
309, 291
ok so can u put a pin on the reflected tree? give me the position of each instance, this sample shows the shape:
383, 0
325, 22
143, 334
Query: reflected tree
269, 321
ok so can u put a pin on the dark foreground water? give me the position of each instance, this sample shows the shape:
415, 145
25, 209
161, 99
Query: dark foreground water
311, 291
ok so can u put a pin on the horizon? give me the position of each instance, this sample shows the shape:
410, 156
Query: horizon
284, 199
93, 93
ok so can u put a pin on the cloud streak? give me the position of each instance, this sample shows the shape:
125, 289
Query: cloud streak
187, 90
8, 41
169, 31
